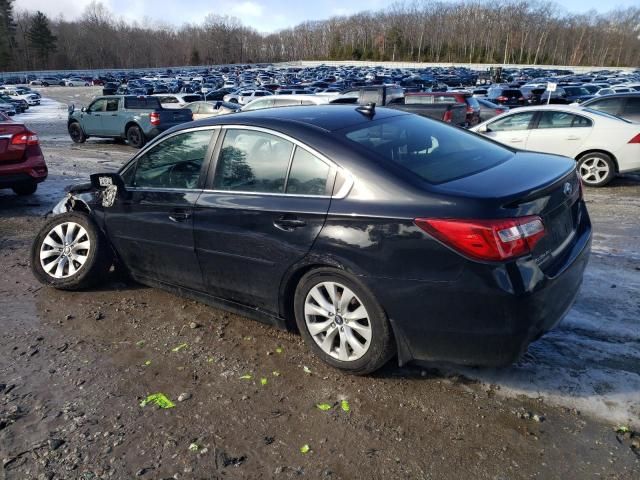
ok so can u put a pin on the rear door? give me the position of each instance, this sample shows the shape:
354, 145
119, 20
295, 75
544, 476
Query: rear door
561, 133
512, 130
266, 203
152, 227
111, 124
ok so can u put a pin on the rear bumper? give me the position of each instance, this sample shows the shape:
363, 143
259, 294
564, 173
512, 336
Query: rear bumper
490, 314
32, 170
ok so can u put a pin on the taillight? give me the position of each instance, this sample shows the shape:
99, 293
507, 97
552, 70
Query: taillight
635, 139
500, 111
24, 138
155, 118
502, 99
487, 239
469, 109
448, 116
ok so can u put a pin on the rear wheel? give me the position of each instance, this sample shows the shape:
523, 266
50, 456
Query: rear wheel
135, 137
76, 133
25, 189
342, 322
596, 169
70, 252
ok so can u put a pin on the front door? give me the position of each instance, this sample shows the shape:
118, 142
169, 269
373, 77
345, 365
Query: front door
92, 117
152, 226
512, 130
268, 202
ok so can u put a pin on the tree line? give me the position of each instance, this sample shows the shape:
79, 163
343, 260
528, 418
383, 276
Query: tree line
502, 31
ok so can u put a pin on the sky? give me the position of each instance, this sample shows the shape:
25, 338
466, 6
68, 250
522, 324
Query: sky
263, 15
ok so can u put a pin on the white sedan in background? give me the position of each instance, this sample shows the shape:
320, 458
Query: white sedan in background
285, 101
603, 145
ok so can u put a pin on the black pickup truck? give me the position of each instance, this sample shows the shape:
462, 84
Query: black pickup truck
393, 97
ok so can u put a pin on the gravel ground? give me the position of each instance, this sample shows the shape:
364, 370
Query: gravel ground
75, 366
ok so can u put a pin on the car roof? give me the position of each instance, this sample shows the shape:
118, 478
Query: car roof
326, 117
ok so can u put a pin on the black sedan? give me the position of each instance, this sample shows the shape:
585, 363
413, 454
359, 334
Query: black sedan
372, 231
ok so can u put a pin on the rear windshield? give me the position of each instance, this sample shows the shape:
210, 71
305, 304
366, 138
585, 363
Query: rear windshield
512, 93
435, 152
191, 98
142, 103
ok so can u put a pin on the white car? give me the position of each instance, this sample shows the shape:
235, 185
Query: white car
203, 109
75, 82
602, 145
245, 96
612, 90
285, 101
176, 100
30, 98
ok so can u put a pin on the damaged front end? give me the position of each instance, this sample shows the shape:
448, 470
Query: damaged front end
82, 197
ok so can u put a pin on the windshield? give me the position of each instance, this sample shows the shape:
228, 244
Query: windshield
431, 150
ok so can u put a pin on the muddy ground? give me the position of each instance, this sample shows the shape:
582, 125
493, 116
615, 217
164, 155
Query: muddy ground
74, 367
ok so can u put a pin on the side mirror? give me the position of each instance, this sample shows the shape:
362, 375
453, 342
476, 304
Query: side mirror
110, 185
71, 108
83, 109
483, 129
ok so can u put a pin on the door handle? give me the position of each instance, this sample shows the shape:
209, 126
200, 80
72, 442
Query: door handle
573, 138
289, 223
179, 216
515, 140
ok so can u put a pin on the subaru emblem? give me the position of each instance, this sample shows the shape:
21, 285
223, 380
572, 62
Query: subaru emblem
567, 189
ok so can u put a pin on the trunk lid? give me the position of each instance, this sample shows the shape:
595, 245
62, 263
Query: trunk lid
531, 184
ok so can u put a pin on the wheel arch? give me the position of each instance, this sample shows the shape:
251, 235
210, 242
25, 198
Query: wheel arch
600, 150
129, 124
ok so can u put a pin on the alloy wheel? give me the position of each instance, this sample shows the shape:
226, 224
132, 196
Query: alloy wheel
65, 250
338, 321
594, 170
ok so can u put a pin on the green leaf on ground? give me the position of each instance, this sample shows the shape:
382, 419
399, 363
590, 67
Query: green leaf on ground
306, 369
246, 377
305, 448
159, 399
179, 347
323, 406
345, 406
279, 350
263, 381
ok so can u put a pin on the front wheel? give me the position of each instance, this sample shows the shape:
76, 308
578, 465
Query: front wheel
135, 137
342, 322
76, 133
70, 252
25, 189
596, 169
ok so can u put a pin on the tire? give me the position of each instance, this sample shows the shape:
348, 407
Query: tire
233, 100
76, 133
87, 252
135, 137
596, 169
363, 310
25, 189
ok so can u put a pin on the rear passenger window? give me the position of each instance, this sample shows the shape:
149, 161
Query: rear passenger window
252, 161
633, 106
562, 120
308, 174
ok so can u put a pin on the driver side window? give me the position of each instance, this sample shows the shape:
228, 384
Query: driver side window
175, 162
518, 121
98, 105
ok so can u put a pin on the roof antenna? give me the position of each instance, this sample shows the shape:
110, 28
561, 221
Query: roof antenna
368, 110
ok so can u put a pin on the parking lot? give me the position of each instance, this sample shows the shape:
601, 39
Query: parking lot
75, 366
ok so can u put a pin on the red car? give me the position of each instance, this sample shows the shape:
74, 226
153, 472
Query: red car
22, 164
